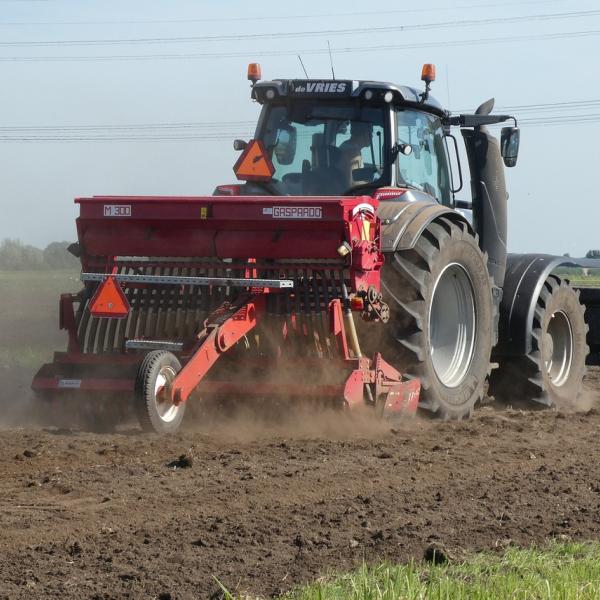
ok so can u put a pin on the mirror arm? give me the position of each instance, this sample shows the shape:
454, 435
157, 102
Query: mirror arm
478, 120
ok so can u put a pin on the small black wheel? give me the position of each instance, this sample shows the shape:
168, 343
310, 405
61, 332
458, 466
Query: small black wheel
158, 369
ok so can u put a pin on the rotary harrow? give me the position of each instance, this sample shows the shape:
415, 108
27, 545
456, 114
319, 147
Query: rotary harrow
276, 312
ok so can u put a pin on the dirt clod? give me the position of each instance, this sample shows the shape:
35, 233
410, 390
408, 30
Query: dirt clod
436, 555
185, 461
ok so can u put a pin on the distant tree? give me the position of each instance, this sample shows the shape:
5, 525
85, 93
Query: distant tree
593, 254
16, 256
56, 256
567, 255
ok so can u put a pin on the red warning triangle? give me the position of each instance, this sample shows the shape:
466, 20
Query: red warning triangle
109, 300
254, 163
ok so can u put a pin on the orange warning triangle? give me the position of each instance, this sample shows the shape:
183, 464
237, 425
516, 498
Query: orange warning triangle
109, 300
254, 163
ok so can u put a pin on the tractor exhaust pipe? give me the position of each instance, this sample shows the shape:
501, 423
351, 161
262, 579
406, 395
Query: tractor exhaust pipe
490, 199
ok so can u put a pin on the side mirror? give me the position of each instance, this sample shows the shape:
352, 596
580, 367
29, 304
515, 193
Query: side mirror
509, 144
239, 145
285, 147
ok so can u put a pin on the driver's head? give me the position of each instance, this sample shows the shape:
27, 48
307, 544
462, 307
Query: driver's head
360, 133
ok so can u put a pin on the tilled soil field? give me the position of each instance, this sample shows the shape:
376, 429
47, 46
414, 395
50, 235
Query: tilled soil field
265, 506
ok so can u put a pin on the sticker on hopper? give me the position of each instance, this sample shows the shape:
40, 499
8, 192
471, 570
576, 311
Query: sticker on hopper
117, 210
297, 212
69, 384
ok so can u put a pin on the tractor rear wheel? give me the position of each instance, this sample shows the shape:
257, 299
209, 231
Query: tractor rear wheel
552, 373
442, 323
157, 370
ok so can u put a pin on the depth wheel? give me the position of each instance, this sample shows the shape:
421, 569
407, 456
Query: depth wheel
552, 373
158, 369
442, 324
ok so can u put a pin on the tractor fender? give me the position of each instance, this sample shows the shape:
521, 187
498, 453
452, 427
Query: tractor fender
403, 222
525, 276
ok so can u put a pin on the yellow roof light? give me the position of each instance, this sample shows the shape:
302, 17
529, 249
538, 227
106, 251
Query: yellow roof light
428, 73
254, 72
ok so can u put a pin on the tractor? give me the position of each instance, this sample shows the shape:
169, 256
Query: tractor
342, 265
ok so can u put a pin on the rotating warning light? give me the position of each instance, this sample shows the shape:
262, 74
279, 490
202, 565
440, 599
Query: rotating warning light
254, 72
428, 73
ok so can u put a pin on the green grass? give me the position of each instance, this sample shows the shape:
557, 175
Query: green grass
565, 571
581, 280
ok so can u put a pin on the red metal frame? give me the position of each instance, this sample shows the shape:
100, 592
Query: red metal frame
66, 321
218, 337
344, 231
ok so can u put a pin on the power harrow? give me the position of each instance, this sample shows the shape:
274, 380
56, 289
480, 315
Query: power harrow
227, 297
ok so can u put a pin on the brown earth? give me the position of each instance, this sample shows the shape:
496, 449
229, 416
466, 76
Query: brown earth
262, 506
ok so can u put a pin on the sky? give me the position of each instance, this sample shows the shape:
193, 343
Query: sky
146, 96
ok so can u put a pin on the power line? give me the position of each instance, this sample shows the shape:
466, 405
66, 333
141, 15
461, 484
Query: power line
307, 33
126, 138
131, 127
275, 17
228, 137
311, 51
207, 128
520, 108
561, 118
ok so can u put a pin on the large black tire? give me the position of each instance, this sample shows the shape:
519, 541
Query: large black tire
552, 373
442, 317
157, 368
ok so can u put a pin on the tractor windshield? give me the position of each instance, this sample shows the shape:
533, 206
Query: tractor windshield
325, 148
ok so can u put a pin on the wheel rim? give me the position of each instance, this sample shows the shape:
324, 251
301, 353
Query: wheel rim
558, 348
165, 409
452, 325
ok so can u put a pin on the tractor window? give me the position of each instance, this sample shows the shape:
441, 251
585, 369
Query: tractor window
426, 167
324, 148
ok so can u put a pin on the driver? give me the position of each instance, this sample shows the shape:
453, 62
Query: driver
351, 150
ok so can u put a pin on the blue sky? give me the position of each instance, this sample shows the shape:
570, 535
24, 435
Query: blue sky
533, 59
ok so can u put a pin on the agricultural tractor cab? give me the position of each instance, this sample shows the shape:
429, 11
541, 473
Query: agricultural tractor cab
341, 267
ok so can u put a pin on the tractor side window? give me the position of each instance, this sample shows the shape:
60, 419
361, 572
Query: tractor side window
426, 167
